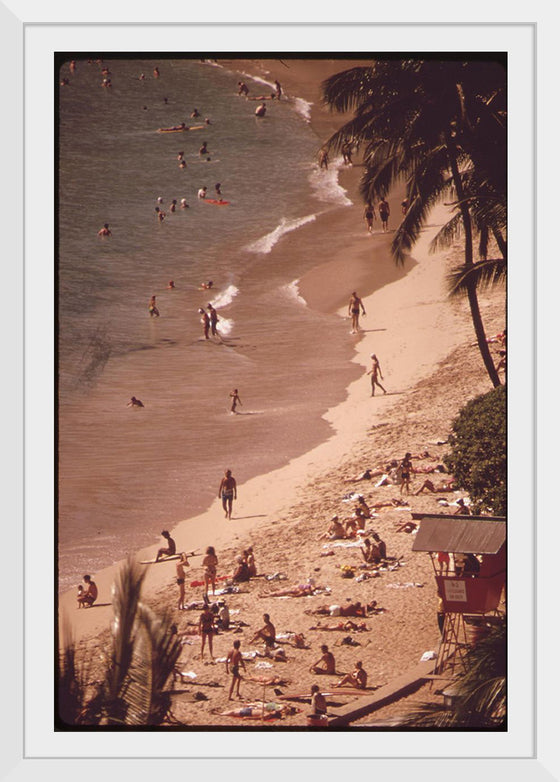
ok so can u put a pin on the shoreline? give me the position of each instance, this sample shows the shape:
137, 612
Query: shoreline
422, 340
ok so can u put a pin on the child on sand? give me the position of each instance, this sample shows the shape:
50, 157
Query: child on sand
235, 659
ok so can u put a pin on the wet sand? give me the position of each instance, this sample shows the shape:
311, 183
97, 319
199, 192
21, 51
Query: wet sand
423, 343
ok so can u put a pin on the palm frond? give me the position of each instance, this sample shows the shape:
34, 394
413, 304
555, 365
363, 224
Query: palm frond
483, 273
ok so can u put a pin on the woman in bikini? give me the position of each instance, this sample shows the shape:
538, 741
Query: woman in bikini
210, 565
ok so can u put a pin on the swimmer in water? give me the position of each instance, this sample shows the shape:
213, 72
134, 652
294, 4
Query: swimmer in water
173, 205
202, 192
234, 400
203, 149
105, 231
160, 214
152, 308
156, 72
184, 204
195, 113
213, 319
206, 285
183, 164
134, 402
218, 189
170, 285
205, 320
260, 111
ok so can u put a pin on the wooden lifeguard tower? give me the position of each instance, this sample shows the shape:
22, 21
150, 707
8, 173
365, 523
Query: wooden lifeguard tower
469, 558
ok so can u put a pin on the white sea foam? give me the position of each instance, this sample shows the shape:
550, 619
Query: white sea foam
225, 297
292, 291
267, 242
225, 326
303, 107
325, 184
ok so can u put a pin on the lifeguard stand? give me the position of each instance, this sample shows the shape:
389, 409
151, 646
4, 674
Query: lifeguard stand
469, 558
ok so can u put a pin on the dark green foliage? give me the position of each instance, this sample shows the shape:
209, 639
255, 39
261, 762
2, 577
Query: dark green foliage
479, 452
143, 652
481, 690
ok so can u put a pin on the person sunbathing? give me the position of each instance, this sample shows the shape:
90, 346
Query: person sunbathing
358, 678
370, 552
325, 663
446, 486
408, 527
301, 590
344, 627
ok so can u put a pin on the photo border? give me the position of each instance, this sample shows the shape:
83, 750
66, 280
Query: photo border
16, 762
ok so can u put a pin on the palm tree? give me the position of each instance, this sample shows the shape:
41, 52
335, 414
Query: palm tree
439, 127
143, 654
480, 692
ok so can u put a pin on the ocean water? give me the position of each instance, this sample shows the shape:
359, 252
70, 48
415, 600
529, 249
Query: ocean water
124, 474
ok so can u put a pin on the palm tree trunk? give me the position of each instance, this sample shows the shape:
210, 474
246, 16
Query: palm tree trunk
471, 285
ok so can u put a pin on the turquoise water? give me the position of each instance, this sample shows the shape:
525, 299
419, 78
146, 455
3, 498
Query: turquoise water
124, 474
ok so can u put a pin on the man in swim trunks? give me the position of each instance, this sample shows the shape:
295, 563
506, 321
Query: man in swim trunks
213, 319
152, 308
235, 659
267, 633
326, 663
354, 306
228, 492
170, 549
384, 213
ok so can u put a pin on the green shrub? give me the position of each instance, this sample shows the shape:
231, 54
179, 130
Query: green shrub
478, 457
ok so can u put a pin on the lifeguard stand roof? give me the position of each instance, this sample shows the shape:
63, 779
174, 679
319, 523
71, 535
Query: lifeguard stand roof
459, 534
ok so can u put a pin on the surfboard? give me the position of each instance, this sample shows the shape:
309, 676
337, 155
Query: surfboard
172, 130
164, 559
197, 127
215, 202
326, 693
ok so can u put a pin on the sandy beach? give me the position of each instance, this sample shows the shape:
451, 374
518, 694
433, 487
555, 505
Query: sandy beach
430, 369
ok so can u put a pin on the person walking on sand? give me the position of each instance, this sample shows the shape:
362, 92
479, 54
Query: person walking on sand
228, 492
213, 319
206, 630
234, 400
235, 659
354, 306
375, 372
369, 216
384, 213
278, 89
205, 320
210, 565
